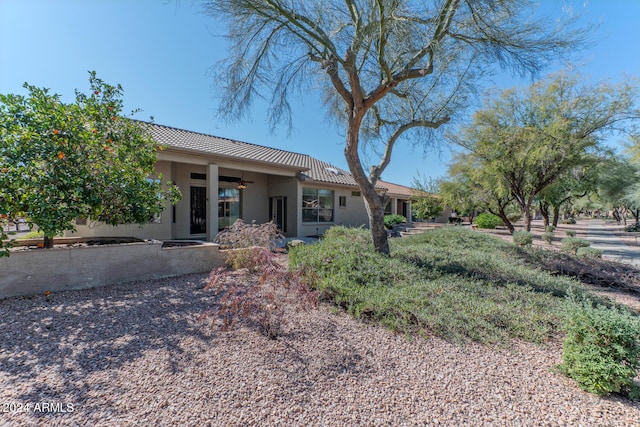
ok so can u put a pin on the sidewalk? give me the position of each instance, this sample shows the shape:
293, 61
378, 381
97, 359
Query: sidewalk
602, 237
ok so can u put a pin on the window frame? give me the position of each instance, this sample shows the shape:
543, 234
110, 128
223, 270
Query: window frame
318, 204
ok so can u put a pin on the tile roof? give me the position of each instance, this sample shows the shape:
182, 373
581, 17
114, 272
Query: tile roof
312, 168
228, 148
396, 189
320, 171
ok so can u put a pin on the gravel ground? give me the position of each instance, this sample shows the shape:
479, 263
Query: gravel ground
136, 354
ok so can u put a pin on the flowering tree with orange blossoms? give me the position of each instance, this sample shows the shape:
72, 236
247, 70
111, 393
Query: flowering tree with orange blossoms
59, 162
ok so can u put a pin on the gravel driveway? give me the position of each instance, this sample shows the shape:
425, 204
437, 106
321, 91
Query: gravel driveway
135, 354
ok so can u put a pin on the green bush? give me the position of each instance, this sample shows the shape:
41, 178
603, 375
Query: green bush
549, 229
442, 282
487, 220
345, 258
293, 243
522, 238
571, 233
391, 220
632, 228
548, 237
601, 351
588, 252
36, 234
568, 221
572, 244
514, 217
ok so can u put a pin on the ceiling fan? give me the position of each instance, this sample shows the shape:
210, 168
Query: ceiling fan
242, 184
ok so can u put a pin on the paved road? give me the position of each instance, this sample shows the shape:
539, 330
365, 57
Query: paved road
613, 248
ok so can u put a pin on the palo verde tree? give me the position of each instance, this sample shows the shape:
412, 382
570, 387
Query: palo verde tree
618, 187
389, 69
530, 139
574, 184
62, 161
472, 186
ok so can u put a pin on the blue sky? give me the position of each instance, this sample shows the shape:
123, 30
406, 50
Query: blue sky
161, 51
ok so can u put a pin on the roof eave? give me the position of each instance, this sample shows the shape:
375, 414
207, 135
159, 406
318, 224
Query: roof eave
237, 159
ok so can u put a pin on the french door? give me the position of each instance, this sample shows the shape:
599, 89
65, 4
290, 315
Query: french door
228, 207
198, 211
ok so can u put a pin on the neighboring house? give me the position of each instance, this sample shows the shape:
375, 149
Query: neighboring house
400, 203
222, 180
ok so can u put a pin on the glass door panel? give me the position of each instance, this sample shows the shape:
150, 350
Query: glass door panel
228, 206
198, 215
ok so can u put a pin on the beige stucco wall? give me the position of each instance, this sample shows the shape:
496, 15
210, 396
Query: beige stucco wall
61, 269
353, 215
444, 216
254, 199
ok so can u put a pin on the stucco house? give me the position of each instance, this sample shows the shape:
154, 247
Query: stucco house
222, 180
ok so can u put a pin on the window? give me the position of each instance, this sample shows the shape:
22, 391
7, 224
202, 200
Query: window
228, 207
355, 194
342, 201
317, 205
198, 176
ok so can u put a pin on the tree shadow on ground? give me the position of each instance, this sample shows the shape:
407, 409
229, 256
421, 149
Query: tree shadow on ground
592, 271
76, 333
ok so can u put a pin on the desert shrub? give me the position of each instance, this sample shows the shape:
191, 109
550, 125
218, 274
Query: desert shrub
35, 234
571, 233
487, 220
514, 217
572, 244
442, 282
346, 258
293, 243
548, 237
391, 220
242, 235
250, 258
549, 229
632, 228
601, 351
522, 238
589, 252
568, 221
268, 297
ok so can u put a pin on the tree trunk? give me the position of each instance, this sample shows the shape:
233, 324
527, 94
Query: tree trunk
544, 211
527, 218
501, 213
374, 202
556, 215
616, 215
48, 242
375, 210
472, 216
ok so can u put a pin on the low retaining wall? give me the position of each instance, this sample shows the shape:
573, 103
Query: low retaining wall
60, 269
